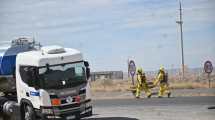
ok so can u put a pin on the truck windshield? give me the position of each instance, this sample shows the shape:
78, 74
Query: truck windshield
62, 76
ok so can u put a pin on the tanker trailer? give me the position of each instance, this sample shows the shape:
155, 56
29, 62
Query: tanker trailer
8, 63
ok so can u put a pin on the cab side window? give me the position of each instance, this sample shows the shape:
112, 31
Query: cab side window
24, 73
28, 74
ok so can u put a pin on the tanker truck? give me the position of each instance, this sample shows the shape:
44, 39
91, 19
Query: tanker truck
43, 83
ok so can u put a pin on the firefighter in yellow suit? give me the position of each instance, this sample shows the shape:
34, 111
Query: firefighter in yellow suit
162, 80
142, 84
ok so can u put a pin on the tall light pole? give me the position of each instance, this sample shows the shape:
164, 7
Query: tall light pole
128, 67
180, 22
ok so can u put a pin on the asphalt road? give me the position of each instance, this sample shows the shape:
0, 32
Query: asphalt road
173, 101
178, 108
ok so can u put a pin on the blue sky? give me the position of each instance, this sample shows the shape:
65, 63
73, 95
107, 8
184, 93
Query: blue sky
109, 32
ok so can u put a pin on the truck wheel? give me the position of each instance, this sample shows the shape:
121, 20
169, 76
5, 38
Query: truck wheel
6, 117
90, 113
29, 113
78, 116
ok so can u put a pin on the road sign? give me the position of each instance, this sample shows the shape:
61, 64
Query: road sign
132, 68
208, 67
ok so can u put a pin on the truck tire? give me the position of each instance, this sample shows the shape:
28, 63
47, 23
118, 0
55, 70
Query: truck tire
5, 117
29, 113
78, 116
90, 113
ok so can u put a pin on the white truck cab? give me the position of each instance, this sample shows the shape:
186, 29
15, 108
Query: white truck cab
52, 83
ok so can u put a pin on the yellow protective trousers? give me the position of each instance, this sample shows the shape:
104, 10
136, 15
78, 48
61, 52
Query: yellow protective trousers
142, 86
164, 89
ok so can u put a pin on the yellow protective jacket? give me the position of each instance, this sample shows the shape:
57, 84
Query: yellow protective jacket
141, 78
160, 77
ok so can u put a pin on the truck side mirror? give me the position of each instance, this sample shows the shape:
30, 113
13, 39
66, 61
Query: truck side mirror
88, 73
86, 63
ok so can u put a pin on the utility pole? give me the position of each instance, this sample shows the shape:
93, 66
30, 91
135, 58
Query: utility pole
128, 68
180, 22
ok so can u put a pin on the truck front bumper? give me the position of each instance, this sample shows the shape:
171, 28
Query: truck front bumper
67, 112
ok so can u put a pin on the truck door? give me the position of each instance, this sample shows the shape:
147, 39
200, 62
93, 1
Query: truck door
27, 84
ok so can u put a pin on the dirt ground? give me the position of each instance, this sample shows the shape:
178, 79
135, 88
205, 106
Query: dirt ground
174, 93
107, 85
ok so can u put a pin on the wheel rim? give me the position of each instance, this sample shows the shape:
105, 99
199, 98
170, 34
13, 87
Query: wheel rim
27, 113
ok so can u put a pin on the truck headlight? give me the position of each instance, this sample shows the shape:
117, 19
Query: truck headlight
47, 111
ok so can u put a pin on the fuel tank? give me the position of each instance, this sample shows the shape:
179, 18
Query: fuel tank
7, 84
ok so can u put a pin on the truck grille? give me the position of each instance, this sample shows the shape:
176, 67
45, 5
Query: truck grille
69, 106
65, 102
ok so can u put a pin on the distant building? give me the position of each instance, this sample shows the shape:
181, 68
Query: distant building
106, 75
